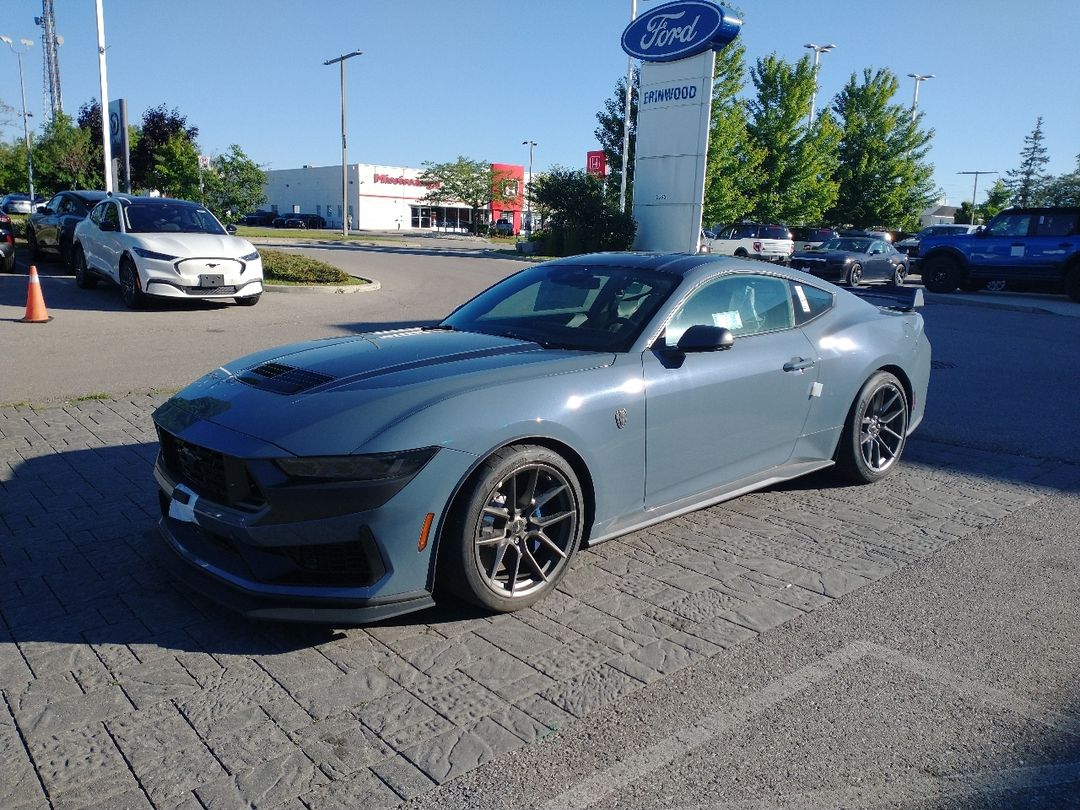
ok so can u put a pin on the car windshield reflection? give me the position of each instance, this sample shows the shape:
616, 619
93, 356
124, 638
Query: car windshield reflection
160, 218
576, 307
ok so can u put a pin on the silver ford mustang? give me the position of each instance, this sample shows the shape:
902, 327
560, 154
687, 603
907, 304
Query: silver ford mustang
341, 481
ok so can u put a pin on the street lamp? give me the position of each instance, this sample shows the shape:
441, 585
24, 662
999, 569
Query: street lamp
344, 165
919, 79
818, 51
27, 44
528, 188
974, 190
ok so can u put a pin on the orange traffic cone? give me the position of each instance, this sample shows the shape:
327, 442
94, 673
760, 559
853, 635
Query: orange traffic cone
35, 301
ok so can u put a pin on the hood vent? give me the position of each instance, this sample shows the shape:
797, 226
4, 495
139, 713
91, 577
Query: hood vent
282, 379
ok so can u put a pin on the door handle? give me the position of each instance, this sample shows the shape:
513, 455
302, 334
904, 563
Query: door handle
798, 364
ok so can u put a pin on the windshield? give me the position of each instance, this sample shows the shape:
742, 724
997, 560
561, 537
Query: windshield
569, 306
171, 218
848, 245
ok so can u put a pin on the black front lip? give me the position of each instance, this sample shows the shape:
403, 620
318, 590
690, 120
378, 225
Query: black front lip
335, 611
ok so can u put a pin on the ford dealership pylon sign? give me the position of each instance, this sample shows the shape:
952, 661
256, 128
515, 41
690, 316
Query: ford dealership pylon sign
678, 30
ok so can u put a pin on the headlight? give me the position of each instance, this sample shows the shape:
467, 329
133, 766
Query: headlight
250, 257
153, 254
370, 467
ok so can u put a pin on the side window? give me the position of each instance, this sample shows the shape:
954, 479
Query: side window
1056, 224
745, 304
97, 213
110, 215
55, 204
809, 302
1010, 225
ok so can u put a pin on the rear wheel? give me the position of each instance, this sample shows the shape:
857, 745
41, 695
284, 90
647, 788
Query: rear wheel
875, 432
854, 276
514, 534
83, 278
940, 274
130, 294
899, 274
742, 254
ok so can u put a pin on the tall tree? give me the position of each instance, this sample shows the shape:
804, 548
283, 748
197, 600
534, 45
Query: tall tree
159, 126
473, 182
795, 179
997, 198
609, 133
733, 160
234, 184
1027, 181
884, 177
64, 157
580, 219
1064, 190
175, 169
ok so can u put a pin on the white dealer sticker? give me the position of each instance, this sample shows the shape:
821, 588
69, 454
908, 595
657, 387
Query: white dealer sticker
182, 504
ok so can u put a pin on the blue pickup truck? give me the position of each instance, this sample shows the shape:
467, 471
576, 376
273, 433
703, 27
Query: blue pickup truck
1025, 246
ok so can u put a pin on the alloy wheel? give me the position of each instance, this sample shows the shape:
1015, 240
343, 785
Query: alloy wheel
882, 427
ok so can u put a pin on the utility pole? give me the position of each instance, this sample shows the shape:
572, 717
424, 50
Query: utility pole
50, 42
975, 191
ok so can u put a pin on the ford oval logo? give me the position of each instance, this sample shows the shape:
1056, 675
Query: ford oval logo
678, 30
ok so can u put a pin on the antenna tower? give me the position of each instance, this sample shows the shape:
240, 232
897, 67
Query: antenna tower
50, 42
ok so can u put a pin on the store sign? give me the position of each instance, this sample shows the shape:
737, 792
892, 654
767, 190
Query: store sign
678, 30
596, 163
404, 181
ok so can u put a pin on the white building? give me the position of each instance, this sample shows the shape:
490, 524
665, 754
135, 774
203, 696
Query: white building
379, 198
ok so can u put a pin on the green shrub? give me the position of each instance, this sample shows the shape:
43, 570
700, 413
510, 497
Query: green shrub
291, 268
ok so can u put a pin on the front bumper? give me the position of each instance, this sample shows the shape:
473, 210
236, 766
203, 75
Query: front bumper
828, 272
340, 554
201, 278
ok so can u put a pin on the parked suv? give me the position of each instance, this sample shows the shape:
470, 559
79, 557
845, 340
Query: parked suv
751, 239
910, 245
1025, 245
810, 238
51, 228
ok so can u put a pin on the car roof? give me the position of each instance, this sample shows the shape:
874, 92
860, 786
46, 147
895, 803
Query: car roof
86, 195
682, 264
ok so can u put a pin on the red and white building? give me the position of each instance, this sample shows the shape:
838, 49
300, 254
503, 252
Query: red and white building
383, 197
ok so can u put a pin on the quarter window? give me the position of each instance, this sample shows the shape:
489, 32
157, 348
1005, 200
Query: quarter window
809, 302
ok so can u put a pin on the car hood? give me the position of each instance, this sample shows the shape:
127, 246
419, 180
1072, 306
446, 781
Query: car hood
193, 244
335, 396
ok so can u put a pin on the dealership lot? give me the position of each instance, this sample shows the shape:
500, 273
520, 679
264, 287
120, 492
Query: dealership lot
915, 636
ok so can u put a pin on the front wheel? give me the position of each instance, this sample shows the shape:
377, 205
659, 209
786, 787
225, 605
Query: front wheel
130, 294
941, 274
515, 532
854, 277
875, 432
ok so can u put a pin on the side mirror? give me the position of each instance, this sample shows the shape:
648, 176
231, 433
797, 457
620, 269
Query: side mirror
230, 228
43, 209
704, 338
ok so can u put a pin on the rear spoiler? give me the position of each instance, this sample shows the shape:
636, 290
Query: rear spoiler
904, 299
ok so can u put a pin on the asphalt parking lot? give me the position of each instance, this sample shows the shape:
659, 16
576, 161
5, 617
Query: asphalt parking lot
910, 644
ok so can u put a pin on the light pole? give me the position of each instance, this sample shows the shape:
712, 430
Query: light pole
344, 151
974, 190
818, 51
27, 44
626, 117
919, 79
528, 187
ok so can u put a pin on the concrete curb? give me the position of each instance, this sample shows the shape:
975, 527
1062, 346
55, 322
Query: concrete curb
323, 289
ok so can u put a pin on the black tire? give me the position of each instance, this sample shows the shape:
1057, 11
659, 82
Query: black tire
1072, 282
940, 274
854, 275
899, 275
875, 432
84, 279
514, 531
248, 300
8, 264
742, 254
130, 294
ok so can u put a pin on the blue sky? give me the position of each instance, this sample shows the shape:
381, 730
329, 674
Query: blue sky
439, 79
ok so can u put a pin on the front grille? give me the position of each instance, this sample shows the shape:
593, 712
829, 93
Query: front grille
282, 379
208, 473
329, 564
209, 290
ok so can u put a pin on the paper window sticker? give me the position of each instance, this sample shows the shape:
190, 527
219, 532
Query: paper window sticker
727, 320
802, 299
